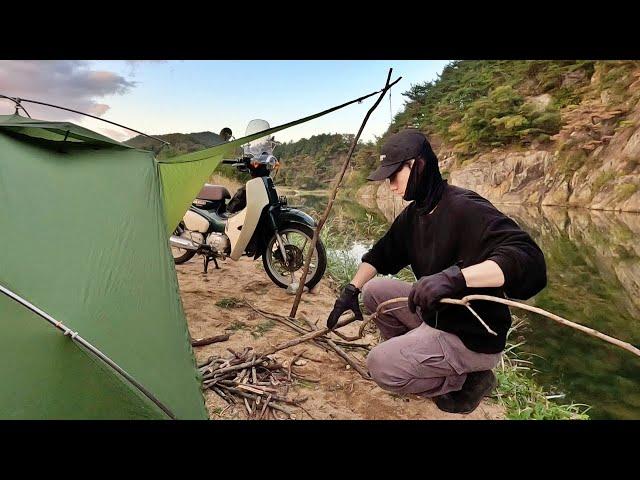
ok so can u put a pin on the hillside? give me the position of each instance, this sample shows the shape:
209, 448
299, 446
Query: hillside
180, 143
532, 132
536, 132
521, 132
313, 162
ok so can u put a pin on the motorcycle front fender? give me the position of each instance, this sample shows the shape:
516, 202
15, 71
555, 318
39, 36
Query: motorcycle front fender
292, 215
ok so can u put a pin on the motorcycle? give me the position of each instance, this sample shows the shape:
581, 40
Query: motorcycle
259, 224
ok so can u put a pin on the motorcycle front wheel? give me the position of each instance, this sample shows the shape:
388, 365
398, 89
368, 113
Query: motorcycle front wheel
297, 238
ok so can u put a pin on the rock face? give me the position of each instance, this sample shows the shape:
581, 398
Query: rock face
592, 162
600, 168
599, 172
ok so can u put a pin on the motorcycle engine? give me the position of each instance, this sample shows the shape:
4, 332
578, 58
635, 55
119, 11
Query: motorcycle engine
195, 237
219, 242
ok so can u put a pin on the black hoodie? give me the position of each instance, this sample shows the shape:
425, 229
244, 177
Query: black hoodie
425, 184
465, 229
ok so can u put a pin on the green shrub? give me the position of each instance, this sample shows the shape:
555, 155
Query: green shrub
624, 191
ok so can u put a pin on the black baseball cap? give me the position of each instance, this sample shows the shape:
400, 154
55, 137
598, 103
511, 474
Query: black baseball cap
400, 147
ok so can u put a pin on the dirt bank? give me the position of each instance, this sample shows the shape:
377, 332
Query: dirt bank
340, 393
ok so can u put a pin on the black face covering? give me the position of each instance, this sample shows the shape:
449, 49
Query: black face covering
425, 184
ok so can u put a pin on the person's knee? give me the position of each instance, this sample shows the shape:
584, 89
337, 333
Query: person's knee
384, 372
369, 294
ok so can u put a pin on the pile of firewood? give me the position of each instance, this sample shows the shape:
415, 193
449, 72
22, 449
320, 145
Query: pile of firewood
258, 381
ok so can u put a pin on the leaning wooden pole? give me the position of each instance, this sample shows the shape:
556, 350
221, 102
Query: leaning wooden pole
332, 196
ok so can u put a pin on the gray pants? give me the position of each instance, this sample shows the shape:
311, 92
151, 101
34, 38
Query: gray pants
415, 358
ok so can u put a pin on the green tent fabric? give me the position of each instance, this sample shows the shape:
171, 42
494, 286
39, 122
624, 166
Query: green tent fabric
85, 222
84, 239
55, 131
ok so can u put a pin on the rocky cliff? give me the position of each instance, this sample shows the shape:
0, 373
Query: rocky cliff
593, 161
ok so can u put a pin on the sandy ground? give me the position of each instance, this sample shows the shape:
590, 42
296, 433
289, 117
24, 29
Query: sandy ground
340, 393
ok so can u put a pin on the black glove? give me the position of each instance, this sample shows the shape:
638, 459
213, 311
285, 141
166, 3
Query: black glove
428, 291
348, 300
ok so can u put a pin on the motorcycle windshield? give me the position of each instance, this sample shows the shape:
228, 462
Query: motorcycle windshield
259, 145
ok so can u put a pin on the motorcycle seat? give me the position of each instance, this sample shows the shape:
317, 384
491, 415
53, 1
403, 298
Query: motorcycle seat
213, 192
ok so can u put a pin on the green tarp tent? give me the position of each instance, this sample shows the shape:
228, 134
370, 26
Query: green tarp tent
84, 239
84, 223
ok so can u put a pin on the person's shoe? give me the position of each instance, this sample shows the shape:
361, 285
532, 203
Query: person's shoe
476, 386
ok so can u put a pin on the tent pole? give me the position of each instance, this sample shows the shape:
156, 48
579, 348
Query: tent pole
80, 113
77, 338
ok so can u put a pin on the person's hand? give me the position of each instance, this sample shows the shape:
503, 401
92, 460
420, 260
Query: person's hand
428, 291
348, 300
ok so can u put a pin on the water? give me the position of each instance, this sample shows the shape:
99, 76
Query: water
593, 262
593, 267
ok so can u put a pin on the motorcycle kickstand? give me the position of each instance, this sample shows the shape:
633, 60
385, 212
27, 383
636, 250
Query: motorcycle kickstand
207, 259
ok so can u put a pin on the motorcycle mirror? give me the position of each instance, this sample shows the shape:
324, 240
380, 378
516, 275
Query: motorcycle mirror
226, 134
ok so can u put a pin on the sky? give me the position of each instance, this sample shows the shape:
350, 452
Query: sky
158, 97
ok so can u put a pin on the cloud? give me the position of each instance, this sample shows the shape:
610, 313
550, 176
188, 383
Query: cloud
120, 135
68, 83
133, 65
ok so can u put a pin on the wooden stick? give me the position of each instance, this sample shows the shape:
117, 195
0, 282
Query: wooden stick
298, 328
224, 410
444, 300
209, 361
209, 340
294, 360
264, 408
335, 331
250, 388
346, 357
364, 324
252, 397
241, 366
307, 412
302, 339
365, 346
563, 321
332, 196
222, 395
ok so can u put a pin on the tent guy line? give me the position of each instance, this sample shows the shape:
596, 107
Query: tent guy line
75, 337
18, 102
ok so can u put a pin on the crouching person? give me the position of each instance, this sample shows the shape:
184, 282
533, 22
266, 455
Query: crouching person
457, 243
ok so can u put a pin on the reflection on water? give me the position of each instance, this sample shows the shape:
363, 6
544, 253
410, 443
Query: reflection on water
593, 263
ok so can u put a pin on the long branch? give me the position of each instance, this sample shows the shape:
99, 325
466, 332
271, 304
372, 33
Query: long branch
302, 339
465, 301
334, 191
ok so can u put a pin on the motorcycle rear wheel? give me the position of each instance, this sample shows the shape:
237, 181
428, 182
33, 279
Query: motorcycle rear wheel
275, 268
181, 255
